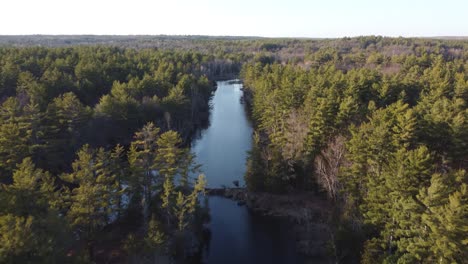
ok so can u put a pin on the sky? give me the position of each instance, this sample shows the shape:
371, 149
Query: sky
267, 18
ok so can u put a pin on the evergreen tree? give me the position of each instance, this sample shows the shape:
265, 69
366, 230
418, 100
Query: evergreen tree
95, 196
30, 222
166, 162
15, 135
141, 158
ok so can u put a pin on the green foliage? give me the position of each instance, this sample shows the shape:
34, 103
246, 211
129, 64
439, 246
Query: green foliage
95, 198
141, 158
161, 176
63, 98
32, 230
186, 205
17, 238
400, 107
20, 132
64, 124
155, 237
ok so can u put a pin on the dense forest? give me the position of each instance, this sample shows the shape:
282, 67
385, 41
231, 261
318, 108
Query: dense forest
94, 130
92, 138
382, 130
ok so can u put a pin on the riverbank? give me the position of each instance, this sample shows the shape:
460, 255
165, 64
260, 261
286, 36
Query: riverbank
307, 214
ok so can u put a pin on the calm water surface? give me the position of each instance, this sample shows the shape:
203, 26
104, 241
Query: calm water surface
222, 147
238, 235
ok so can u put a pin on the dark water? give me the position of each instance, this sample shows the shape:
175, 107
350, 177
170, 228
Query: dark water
222, 147
238, 235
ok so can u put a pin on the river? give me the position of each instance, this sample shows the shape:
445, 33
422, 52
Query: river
237, 234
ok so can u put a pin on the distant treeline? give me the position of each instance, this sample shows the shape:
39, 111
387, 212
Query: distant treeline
239, 49
92, 130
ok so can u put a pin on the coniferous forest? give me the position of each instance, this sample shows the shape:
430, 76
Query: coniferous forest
95, 138
382, 131
91, 141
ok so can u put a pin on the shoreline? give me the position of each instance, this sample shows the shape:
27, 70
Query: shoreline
307, 214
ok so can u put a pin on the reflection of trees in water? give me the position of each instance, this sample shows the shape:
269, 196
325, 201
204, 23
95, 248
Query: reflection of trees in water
206, 242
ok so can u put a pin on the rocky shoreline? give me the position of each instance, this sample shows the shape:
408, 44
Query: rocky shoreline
308, 214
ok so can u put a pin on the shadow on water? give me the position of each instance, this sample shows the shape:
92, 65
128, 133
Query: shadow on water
241, 236
237, 235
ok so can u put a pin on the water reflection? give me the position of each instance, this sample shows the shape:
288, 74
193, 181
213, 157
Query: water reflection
237, 235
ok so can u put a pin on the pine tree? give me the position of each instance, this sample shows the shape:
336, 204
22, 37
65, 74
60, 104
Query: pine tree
187, 167
94, 199
405, 174
186, 205
32, 229
17, 238
141, 158
155, 238
444, 219
65, 119
166, 163
15, 135
107, 178
254, 175
120, 170
180, 211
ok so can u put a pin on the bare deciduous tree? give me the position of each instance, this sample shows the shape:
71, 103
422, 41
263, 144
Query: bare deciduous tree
327, 165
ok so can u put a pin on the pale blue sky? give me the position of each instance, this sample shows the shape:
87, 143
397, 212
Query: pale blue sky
270, 18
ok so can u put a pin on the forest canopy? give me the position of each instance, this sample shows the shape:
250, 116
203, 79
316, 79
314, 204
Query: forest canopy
91, 140
381, 129
94, 133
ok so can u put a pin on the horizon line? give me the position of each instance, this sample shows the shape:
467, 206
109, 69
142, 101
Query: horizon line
230, 36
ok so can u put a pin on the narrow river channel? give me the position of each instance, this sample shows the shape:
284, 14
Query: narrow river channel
237, 235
